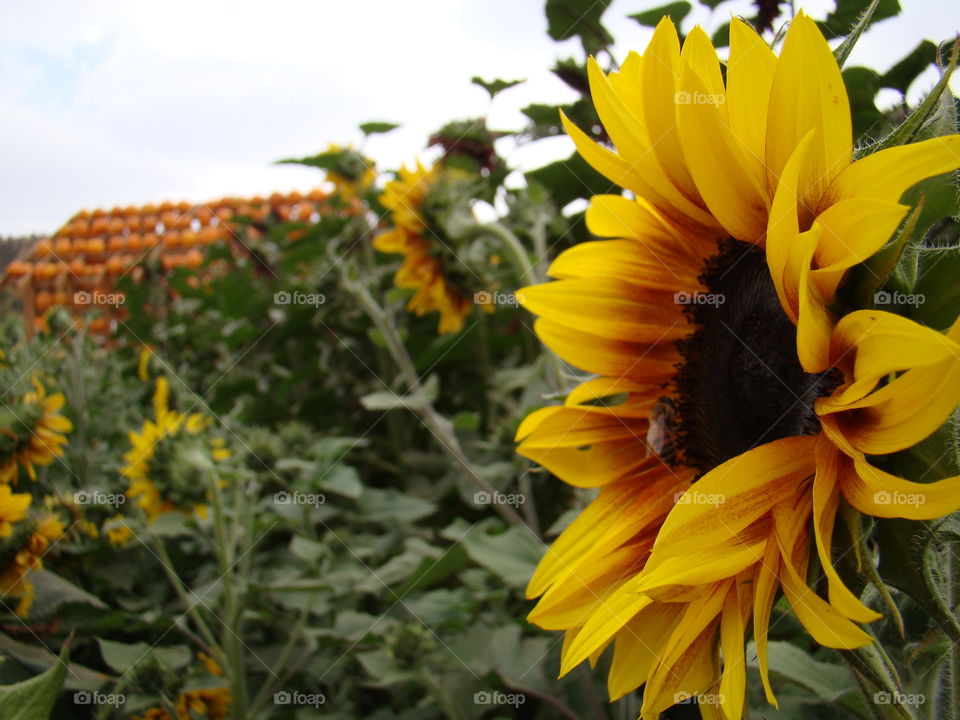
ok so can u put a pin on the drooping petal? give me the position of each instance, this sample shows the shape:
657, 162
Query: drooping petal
826, 499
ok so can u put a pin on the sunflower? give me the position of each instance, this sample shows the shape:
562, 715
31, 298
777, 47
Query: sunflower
211, 702
429, 266
728, 387
162, 457
22, 551
33, 434
352, 173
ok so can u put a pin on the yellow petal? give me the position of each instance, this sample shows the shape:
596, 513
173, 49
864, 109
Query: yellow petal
625, 260
765, 590
749, 484
604, 356
726, 175
887, 174
606, 621
733, 683
807, 94
826, 500
614, 309
749, 79
638, 645
661, 65
880, 494
824, 622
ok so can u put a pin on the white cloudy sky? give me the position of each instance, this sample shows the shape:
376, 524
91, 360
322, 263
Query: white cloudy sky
107, 103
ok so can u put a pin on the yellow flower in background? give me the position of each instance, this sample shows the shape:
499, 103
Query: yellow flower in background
117, 531
150, 464
411, 236
35, 435
353, 174
707, 320
143, 363
212, 703
13, 509
27, 549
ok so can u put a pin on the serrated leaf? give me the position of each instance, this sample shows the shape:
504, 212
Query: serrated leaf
374, 128
495, 86
512, 554
35, 698
676, 11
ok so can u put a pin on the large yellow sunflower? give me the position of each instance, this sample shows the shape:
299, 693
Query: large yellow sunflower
35, 435
707, 319
423, 268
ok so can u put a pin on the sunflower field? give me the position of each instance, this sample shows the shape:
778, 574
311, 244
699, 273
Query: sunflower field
665, 429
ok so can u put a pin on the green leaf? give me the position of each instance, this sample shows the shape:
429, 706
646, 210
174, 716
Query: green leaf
342, 480
374, 128
324, 160
39, 659
417, 400
432, 571
902, 75
581, 18
123, 657
567, 180
848, 12
825, 680
676, 11
512, 554
34, 699
937, 274
495, 86
542, 114
391, 505
721, 37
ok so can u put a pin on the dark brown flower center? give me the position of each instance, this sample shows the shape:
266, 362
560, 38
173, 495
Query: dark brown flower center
740, 384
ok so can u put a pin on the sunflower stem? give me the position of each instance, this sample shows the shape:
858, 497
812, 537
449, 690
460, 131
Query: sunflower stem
954, 649
180, 589
231, 640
